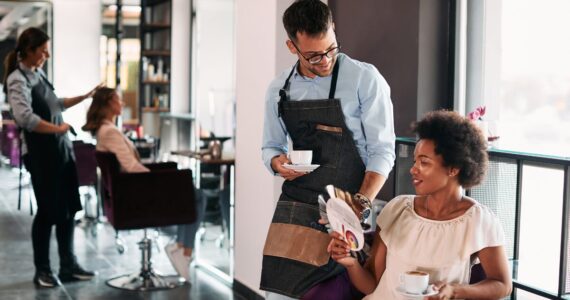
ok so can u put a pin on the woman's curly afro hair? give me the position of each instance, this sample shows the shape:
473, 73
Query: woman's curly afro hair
459, 141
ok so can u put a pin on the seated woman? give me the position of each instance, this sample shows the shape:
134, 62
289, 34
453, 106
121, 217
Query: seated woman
106, 106
439, 231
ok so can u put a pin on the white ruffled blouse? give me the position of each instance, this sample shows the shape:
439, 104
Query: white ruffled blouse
444, 249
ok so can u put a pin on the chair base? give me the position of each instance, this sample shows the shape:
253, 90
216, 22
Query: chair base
146, 282
146, 279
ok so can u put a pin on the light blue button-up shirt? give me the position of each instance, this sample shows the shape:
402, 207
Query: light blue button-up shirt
365, 99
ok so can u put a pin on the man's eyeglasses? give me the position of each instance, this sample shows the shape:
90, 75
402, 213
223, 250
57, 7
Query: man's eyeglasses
317, 58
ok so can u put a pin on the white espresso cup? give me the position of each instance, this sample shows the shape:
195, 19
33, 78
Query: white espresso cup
415, 282
301, 157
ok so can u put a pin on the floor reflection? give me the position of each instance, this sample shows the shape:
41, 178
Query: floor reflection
95, 252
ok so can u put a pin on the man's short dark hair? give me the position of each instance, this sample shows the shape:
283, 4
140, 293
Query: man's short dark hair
311, 17
459, 141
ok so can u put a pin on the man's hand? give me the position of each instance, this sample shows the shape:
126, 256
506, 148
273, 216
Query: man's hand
277, 165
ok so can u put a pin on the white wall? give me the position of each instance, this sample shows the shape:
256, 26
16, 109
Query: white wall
260, 55
214, 47
180, 64
76, 31
255, 68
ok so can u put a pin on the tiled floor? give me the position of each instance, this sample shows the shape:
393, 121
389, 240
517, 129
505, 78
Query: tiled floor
93, 252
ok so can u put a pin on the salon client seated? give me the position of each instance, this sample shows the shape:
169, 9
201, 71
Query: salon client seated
106, 106
438, 231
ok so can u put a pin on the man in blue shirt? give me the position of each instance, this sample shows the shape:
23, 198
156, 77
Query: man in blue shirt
340, 109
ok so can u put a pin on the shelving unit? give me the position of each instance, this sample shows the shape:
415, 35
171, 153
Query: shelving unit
155, 35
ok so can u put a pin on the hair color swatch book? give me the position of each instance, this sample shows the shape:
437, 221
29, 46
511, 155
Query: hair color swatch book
343, 220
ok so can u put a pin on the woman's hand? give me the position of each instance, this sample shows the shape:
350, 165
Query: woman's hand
62, 128
69, 102
339, 250
91, 92
446, 291
277, 165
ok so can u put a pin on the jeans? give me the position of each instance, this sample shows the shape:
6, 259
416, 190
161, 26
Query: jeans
186, 233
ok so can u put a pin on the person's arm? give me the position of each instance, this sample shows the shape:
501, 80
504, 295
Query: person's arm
497, 284
20, 100
378, 125
47, 127
366, 278
69, 102
274, 144
111, 139
372, 184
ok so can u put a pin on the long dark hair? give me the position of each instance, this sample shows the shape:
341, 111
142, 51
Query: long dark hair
99, 109
30, 40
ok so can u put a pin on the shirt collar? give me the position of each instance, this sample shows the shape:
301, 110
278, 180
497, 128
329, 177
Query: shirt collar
298, 75
28, 70
25, 68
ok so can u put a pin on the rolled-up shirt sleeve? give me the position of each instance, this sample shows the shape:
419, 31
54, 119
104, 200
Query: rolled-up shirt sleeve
60, 102
274, 133
20, 99
378, 123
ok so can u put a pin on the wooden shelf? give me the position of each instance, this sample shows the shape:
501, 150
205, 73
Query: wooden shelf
156, 50
155, 2
152, 27
155, 109
155, 53
154, 82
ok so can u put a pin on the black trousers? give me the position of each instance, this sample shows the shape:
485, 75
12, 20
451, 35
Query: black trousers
41, 235
53, 209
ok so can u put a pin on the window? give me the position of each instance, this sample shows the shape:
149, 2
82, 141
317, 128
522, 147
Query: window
513, 58
517, 64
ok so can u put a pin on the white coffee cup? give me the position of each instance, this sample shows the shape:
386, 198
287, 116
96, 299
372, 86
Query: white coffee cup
301, 157
415, 282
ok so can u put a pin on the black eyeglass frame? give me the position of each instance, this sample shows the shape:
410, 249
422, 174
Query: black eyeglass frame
320, 56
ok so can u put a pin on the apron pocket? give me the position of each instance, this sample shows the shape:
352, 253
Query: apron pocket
298, 243
329, 140
329, 128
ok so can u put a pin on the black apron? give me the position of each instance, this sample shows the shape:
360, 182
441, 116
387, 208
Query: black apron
50, 159
295, 257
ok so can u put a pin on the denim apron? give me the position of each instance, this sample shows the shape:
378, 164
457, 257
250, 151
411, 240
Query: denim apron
295, 257
50, 159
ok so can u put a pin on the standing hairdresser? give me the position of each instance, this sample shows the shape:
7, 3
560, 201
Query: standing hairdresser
48, 155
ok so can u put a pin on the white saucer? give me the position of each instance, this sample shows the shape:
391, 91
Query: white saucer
427, 293
301, 168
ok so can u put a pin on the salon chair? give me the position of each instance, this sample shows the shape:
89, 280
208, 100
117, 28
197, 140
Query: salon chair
86, 166
163, 197
477, 274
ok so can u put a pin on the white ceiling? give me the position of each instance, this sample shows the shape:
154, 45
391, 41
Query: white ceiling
16, 15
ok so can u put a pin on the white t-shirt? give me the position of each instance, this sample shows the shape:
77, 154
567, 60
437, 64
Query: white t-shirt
444, 249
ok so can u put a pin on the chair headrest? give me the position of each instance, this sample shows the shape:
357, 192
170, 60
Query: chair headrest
108, 163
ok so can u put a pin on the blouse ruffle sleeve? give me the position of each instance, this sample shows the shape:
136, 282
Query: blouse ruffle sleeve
487, 230
389, 215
